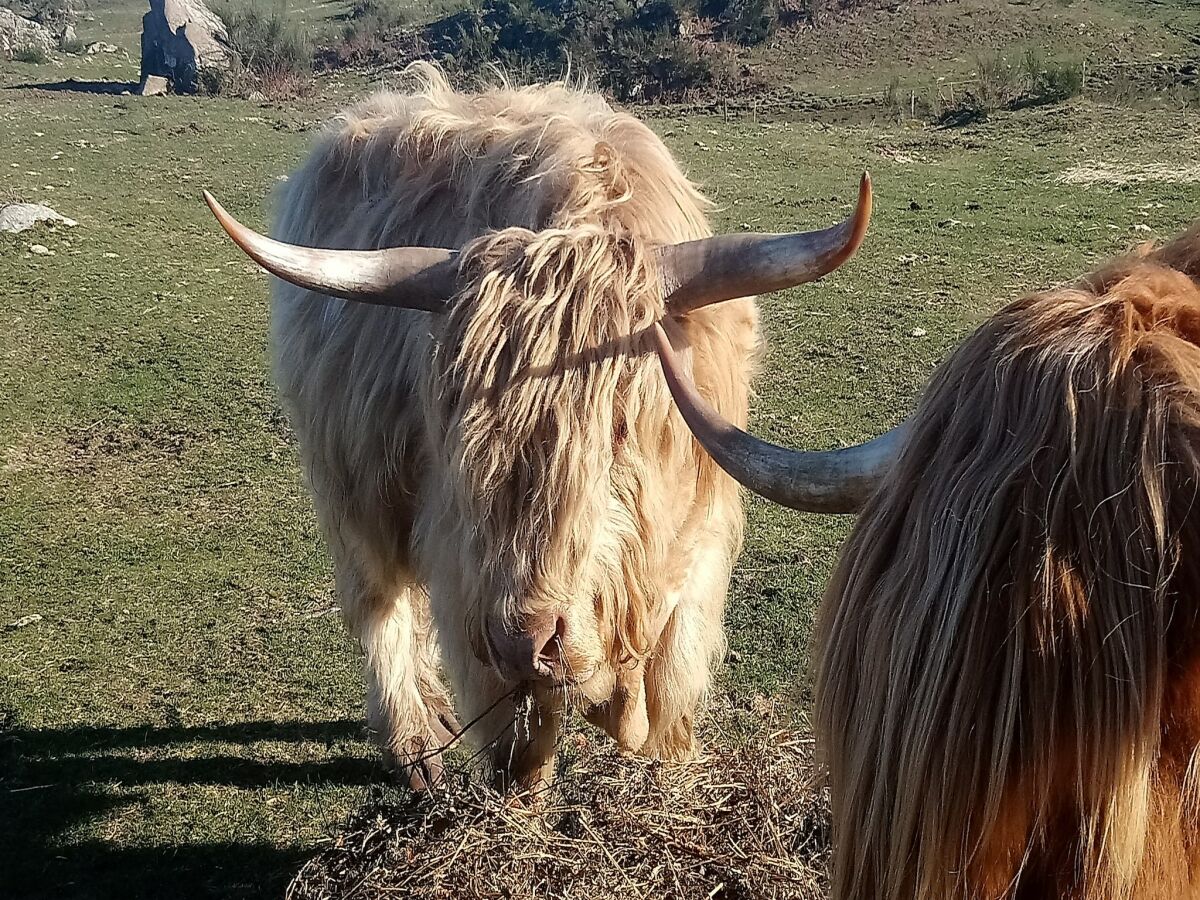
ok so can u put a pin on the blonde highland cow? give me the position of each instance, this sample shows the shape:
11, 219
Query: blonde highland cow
473, 288
1009, 649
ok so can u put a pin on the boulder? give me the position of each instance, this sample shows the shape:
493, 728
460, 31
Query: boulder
18, 33
99, 47
180, 39
16, 217
153, 86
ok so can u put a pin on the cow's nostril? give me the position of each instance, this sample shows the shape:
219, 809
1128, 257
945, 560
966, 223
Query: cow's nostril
551, 654
534, 649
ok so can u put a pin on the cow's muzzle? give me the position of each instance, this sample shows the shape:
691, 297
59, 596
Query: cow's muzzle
530, 648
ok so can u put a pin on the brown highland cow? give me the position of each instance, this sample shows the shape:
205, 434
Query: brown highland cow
463, 337
1009, 651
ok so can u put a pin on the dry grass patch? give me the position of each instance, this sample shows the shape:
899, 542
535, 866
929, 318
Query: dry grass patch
747, 820
99, 449
1121, 173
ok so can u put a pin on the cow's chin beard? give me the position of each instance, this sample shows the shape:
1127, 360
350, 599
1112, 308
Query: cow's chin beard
583, 693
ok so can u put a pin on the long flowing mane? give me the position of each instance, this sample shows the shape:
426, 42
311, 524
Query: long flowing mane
1009, 661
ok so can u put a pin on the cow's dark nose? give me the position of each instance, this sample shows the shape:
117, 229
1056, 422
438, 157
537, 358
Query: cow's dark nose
533, 649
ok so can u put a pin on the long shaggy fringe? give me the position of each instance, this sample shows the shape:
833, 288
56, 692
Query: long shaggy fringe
560, 426
1009, 684
521, 452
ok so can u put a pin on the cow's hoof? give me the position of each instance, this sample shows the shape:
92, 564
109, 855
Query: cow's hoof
426, 774
420, 765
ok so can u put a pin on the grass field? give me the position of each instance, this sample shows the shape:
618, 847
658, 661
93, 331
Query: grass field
184, 717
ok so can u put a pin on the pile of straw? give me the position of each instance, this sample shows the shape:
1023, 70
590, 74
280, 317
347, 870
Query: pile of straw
749, 819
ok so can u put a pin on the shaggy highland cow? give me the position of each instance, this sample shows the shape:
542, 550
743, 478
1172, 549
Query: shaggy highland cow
505, 485
1009, 651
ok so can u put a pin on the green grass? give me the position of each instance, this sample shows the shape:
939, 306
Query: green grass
930, 46
185, 719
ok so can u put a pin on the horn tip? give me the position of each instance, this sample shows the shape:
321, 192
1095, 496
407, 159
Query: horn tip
214, 207
224, 219
865, 187
865, 202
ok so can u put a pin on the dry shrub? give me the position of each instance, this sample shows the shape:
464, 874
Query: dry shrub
284, 84
272, 57
368, 35
636, 51
748, 820
33, 55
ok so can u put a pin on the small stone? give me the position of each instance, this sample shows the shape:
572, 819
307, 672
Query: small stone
919, 332
40, 250
23, 622
16, 217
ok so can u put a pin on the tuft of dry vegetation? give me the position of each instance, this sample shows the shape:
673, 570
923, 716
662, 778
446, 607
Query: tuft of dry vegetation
748, 820
271, 50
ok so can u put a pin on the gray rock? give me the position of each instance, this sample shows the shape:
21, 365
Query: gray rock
152, 86
181, 38
18, 33
99, 47
16, 217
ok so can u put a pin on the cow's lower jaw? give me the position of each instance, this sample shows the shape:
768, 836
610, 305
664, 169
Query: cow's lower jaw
522, 756
586, 690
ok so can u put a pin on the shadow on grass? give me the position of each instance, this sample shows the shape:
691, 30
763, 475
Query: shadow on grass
55, 780
79, 87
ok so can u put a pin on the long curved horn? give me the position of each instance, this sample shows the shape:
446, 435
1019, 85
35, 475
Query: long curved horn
408, 277
834, 481
728, 266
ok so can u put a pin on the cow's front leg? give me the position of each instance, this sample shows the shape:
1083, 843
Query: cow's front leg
408, 708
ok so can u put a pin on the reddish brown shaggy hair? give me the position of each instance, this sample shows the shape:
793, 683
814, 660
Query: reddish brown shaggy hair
1009, 657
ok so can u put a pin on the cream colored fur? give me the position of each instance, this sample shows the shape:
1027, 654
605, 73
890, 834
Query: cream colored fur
522, 452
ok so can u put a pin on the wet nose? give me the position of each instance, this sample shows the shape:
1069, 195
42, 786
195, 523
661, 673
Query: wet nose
531, 649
